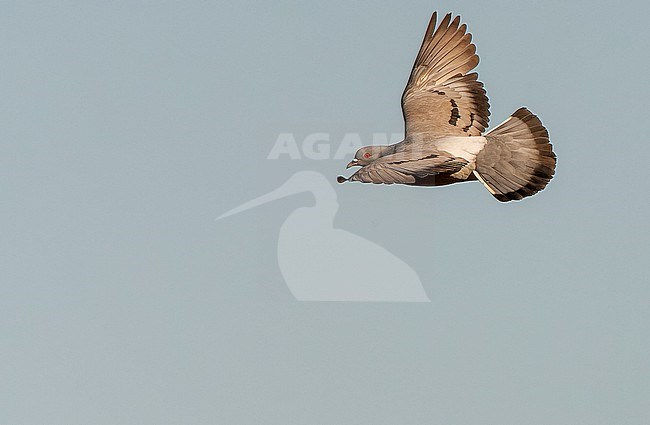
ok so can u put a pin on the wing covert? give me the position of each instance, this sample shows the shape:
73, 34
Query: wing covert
441, 96
404, 168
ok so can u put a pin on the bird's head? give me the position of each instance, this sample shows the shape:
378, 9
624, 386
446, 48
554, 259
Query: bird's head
366, 155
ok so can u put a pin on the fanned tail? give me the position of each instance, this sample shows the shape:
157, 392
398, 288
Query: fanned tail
518, 159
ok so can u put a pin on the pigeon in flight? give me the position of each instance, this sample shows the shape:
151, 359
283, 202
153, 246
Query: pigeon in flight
446, 112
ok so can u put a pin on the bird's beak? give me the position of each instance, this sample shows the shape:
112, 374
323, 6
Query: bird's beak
353, 163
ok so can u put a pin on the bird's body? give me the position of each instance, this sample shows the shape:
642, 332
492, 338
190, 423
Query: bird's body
446, 112
465, 148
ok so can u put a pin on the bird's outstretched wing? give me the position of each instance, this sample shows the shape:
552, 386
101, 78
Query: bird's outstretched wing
405, 167
441, 98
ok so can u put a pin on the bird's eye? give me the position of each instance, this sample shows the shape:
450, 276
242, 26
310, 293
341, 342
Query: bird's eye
366, 155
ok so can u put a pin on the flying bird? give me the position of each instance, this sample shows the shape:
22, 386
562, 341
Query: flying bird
446, 112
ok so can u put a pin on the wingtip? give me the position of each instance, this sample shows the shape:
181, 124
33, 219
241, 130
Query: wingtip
341, 179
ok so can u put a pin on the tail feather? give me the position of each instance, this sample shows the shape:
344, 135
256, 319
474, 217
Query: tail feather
517, 160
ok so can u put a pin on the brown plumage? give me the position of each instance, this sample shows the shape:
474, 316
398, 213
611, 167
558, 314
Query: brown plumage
446, 112
517, 160
440, 87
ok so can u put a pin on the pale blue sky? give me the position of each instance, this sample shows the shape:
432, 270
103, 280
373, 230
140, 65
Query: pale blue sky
127, 127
